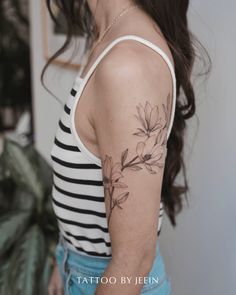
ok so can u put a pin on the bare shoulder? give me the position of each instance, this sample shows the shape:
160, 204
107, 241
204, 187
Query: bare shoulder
131, 65
131, 73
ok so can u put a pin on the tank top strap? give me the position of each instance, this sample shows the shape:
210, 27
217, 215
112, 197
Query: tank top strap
150, 45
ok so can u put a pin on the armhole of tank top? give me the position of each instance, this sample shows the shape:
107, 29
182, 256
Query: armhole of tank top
83, 81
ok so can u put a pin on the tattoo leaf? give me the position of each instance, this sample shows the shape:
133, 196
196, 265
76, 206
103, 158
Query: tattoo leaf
122, 198
166, 108
135, 168
149, 169
119, 185
124, 157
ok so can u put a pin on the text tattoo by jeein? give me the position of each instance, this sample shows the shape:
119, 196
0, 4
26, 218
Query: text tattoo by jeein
150, 153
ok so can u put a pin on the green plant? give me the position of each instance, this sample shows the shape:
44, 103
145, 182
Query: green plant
27, 223
15, 88
15, 72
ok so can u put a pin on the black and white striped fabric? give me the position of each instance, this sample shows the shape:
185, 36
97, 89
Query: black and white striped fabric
78, 193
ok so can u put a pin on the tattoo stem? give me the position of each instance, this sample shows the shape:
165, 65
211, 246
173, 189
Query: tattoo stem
127, 164
111, 198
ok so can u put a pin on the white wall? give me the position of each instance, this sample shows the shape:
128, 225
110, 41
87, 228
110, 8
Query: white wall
45, 106
200, 253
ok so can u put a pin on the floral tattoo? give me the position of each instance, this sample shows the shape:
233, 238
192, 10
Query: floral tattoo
150, 153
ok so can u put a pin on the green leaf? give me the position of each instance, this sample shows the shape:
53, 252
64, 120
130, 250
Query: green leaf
23, 200
27, 263
12, 226
46, 274
7, 188
49, 221
22, 170
2, 174
4, 277
44, 170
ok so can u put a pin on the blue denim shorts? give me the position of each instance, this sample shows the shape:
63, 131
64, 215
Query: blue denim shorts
81, 274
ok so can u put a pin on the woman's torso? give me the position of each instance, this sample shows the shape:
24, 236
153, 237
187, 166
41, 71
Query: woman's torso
78, 193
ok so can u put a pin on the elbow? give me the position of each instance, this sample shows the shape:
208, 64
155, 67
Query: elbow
146, 261
135, 261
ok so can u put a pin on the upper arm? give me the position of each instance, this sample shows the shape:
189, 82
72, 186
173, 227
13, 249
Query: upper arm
132, 114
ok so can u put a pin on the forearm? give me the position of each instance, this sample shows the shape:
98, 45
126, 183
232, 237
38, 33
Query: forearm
125, 279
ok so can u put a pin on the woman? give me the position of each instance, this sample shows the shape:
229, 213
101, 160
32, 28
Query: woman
118, 147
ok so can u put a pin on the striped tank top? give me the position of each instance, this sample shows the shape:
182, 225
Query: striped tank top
78, 192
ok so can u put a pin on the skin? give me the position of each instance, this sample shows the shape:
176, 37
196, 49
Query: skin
55, 286
134, 225
108, 120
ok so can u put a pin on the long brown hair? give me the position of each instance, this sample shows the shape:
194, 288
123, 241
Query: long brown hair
171, 17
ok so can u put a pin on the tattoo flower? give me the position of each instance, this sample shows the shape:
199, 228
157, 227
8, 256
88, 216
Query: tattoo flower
161, 137
112, 174
150, 153
149, 118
